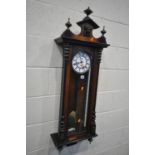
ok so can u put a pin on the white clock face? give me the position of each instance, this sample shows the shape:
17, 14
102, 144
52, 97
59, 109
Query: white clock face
81, 62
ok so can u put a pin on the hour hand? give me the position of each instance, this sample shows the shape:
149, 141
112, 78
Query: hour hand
76, 63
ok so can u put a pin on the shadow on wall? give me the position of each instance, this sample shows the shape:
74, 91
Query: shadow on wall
71, 150
56, 53
49, 54
55, 60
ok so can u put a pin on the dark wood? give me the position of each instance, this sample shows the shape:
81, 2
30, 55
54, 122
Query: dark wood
73, 95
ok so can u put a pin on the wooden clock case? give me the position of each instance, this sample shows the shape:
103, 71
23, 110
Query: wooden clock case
74, 90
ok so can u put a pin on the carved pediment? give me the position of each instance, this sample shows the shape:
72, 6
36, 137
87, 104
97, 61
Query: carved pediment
87, 26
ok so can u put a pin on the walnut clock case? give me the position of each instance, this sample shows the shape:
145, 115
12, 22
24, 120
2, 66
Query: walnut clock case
81, 61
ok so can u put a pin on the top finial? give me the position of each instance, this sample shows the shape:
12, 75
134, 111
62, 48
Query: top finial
88, 11
103, 30
68, 24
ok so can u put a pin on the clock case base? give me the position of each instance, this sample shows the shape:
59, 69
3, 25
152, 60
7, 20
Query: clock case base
60, 143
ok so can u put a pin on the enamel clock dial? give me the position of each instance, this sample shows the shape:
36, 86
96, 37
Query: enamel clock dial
81, 62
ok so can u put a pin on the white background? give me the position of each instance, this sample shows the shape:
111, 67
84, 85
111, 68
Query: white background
13, 73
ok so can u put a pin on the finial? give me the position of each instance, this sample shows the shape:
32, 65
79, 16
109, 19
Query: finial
103, 30
88, 11
68, 24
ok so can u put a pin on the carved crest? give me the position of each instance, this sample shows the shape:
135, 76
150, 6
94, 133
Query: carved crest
87, 26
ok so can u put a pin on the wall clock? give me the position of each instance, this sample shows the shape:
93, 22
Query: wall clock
81, 60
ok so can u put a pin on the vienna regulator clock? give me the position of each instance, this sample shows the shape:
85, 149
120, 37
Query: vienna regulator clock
81, 61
